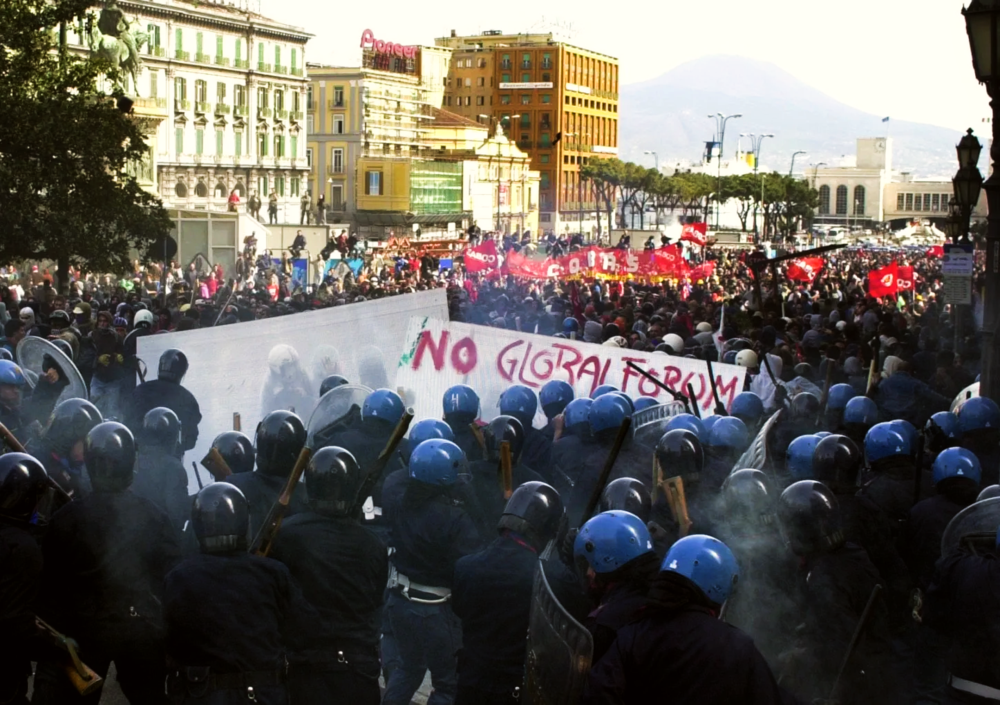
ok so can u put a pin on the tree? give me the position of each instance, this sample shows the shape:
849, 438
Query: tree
740, 188
606, 175
65, 151
695, 191
786, 201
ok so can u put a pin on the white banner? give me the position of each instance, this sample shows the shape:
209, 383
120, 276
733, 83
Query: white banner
277, 363
439, 354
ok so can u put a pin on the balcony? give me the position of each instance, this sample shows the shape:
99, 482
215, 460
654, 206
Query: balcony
222, 61
221, 109
280, 114
546, 65
202, 107
240, 111
526, 64
297, 72
335, 170
505, 64
296, 115
278, 68
182, 55
242, 63
181, 104
524, 144
261, 66
202, 58
264, 113
158, 51
151, 102
335, 103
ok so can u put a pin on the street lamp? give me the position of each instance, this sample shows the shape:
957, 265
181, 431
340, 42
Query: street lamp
656, 159
720, 131
755, 143
968, 182
791, 169
981, 23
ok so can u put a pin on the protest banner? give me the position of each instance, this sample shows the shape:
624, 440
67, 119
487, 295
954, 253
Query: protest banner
481, 258
805, 269
696, 233
882, 282
277, 363
438, 354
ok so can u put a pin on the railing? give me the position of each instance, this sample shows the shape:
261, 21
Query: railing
222, 61
505, 64
526, 64
335, 103
180, 104
296, 72
526, 144
546, 64
333, 170
182, 55
261, 66
202, 58
295, 114
264, 112
202, 107
241, 63
281, 114
278, 68
240, 111
158, 51
221, 109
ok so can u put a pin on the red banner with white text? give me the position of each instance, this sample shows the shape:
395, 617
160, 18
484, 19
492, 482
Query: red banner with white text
481, 258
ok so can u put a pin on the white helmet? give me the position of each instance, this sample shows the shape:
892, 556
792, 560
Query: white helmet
143, 317
704, 327
282, 359
675, 342
616, 341
746, 358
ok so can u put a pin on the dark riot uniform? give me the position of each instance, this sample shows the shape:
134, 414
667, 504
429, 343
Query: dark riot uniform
343, 569
105, 559
160, 392
160, 477
262, 492
20, 576
467, 441
537, 451
489, 492
568, 454
230, 621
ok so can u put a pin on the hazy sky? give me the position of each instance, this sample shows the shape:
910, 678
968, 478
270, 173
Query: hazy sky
908, 59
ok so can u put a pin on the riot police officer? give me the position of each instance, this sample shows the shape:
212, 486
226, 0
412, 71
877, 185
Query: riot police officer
836, 401
461, 409
332, 382
615, 554
605, 417
486, 480
430, 533
521, 403
166, 390
114, 548
727, 440
237, 450
280, 439
61, 447
554, 396
696, 579
860, 414
224, 655
492, 597
749, 409
679, 453
160, 476
12, 383
342, 568
889, 452
979, 426
572, 446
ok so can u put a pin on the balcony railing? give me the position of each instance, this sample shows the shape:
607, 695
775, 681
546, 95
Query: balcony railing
505, 64
546, 64
182, 55
281, 114
158, 51
295, 115
264, 112
296, 72
182, 104
525, 64
336, 103
524, 144
221, 109
203, 107
278, 68
334, 170
241, 63
202, 58
222, 61
240, 111
261, 66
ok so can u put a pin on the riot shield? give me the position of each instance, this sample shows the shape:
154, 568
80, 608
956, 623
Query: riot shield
975, 527
963, 396
31, 354
756, 455
649, 424
335, 410
560, 649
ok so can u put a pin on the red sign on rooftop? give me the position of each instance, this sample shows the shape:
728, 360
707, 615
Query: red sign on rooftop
368, 41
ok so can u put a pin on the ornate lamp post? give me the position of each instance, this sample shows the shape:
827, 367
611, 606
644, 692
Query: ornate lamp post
982, 23
968, 182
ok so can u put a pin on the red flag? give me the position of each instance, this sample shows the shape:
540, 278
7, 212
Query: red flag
696, 233
883, 282
481, 257
805, 269
935, 251
905, 279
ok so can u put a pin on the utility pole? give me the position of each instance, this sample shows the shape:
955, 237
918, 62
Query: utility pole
720, 131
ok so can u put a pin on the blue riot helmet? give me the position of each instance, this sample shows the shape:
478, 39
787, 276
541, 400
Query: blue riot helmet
708, 422
729, 357
799, 457
5, 354
729, 432
521, 403
822, 434
437, 462
839, 395
860, 414
626, 397
570, 325
644, 403
461, 404
885, 443
908, 431
425, 430
956, 462
602, 390
706, 562
610, 540
576, 417
942, 431
977, 415
607, 412
554, 396
11, 374
690, 422
747, 407
384, 407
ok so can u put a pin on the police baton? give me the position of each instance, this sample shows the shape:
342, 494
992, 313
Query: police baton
720, 409
856, 637
595, 495
15, 445
678, 396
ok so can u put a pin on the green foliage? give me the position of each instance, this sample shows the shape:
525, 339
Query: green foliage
65, 149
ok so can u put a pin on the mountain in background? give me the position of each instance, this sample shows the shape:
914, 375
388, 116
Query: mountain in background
668, 115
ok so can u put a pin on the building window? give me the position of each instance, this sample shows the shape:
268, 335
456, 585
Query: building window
261, 144
260, 54
199, 141
309, 98
525, 78
525, 120
293, 151
505, 78
544, 159
505, 100
824, 200
481, 81
154, 89
279, 183
505, 61
180, 190
546, 97
201, 91
218, 45
218, 142
295, 184
180, 88
310, 124
447, 101
841, 200
935, 202
238, 143
179, 140
338, 124
201, 190
293, 64
859, 200
468, 100
240, 96
199, 43
946, 201
337, 160
279, 145
927, 201
279, 101
309, 157
899, 201
239, 52
179, 39
336, 197
153, 30
909, 202
338, 96
480, 100
296, 101
525, 61
261, 97
277, 56
468, 82
373, 183
917, 203
525, 99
